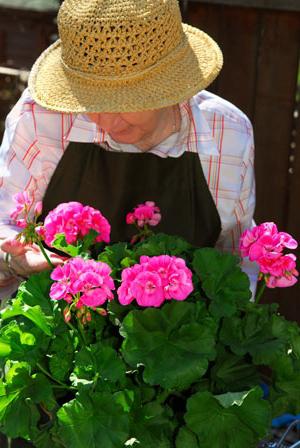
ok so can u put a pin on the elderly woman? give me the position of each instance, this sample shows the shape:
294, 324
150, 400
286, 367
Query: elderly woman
116, 114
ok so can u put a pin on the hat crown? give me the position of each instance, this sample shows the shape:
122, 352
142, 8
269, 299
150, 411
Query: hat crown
118, 37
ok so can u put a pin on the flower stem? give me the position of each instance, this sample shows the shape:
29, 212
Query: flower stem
260, 292
163, 396
45, 254
51, 377
75, 331
81, 331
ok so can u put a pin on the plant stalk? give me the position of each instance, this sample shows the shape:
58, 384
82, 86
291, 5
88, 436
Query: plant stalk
51, 377
260, 292
45, 254
81, 331
161, 398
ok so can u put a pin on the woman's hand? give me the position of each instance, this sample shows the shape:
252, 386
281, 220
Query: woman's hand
27, 259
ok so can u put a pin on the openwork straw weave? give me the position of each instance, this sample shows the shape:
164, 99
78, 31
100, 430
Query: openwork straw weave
123, 56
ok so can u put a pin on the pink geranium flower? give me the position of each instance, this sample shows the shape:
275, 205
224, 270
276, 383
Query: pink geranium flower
75, 221
128, 276
155, 280
278, 266
265, 245
265, 240
147, 289
83, 282
144, 214
20, 212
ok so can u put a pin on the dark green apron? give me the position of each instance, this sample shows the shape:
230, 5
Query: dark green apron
115, 182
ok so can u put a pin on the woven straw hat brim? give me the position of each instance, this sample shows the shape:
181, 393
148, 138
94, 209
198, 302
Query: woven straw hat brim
177, 78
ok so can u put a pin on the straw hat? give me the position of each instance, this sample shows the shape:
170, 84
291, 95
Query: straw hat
123, 56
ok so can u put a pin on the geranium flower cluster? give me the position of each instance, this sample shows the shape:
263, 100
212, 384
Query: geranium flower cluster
82, 282
265, 245
154, 280
144, 214
75, 221
20, 213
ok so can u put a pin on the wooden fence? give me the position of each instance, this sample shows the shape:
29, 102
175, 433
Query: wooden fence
261, 49
260, 40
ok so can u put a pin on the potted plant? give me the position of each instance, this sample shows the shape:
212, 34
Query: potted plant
153, 343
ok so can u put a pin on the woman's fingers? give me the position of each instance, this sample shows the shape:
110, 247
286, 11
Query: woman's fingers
13, 246
28, 259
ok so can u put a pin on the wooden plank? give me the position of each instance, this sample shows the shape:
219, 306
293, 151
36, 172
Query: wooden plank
31, 36
293, 218
2, 46
275, 97
273, 119
283, 5
237, 79
206, 18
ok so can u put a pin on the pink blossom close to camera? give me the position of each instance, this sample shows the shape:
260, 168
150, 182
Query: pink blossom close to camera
38, 208
75, 221
144, 214
20, 212
265, 240
281, 282
155, 280
265, 245
86, 281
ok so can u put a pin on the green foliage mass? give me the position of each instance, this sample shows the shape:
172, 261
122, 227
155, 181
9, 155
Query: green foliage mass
185, 375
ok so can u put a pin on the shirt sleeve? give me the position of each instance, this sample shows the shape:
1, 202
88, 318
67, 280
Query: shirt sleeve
14, 172
14, 176
243, 211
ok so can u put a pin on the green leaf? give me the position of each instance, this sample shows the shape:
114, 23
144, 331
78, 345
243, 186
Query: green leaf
61, 353
89, 240
17, 405
231, 372
98, 362
231, 398
231, 420
24, 343
222, 281
259, 332
44, 439
35, 291
125, 398
40, 391
33, 313
186, 439
117, 256
94, 421
174, 343
162, 244
285, 388
152, 427
5, 348
60, 244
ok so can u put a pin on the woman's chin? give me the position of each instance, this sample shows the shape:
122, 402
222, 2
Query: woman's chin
123, 137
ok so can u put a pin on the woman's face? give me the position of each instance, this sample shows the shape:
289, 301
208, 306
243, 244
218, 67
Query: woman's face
129, 127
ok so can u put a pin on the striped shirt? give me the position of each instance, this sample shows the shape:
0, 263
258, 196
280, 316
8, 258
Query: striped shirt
35, 139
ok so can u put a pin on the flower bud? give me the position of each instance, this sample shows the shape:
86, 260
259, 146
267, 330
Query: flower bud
38, 208
40, 230
130, 219
102, 312
67, 314
21, 223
